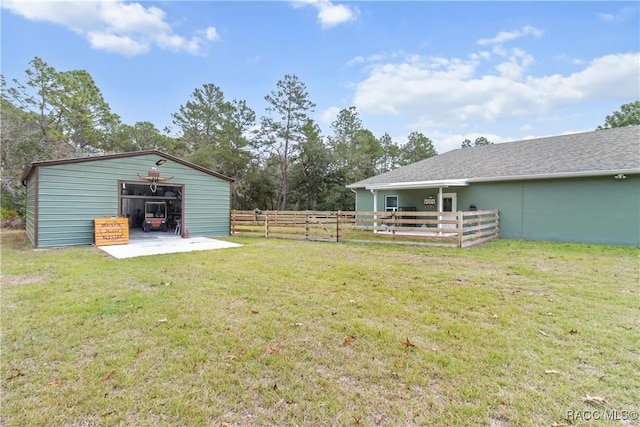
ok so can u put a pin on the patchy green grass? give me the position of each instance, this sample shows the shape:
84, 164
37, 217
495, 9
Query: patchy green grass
309, 333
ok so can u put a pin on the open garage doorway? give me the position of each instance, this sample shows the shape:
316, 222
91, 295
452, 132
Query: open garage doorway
146, 210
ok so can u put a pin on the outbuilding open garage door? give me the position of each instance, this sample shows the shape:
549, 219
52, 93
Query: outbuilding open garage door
134, 194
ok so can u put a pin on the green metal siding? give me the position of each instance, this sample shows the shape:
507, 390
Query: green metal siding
31, 209
600, 210
505, 196
207, 205
72, 195
364, 200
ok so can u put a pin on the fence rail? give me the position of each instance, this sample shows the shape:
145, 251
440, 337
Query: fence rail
450, 229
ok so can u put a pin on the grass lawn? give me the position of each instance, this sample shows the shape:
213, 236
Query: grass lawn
309, 333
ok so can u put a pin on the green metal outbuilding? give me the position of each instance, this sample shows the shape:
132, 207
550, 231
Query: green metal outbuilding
64, 197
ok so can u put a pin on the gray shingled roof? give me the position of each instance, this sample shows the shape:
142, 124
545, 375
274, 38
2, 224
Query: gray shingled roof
599, 151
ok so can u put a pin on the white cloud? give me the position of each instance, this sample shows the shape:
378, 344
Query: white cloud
133, 18
77, 16
607, 17
621, 15
328, 116
254, 59
374, 58
355, 61
330, 14
608, 76
505, 36
124, 28
437, 92
116, 44
211, 34
516, 64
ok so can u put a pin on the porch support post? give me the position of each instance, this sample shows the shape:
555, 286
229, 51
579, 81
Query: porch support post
440, 207
460, 226
375, 209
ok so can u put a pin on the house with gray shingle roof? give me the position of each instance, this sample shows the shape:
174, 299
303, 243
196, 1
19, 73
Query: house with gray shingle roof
582, 187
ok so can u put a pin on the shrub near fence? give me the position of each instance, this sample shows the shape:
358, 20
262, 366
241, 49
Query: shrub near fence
451, 229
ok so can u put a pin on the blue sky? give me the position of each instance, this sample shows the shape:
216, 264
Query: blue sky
451, 70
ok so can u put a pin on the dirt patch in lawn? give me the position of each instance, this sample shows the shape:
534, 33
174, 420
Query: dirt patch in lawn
22, 280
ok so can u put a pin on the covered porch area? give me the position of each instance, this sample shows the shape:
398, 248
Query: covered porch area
428, 209
394, 199
438, 228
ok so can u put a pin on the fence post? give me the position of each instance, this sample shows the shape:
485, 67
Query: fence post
266, 225
460, 229
497, 216
306, 226
338, 214
393, 224
233, 221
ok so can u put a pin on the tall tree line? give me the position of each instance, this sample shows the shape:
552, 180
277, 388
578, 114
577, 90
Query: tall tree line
280, 160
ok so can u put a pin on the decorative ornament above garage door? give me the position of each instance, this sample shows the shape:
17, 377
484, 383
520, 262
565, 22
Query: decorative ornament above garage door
154, 177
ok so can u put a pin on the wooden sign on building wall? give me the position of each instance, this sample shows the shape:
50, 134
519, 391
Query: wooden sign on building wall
111, 231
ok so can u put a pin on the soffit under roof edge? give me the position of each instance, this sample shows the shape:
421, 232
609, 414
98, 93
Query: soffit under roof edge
417, 185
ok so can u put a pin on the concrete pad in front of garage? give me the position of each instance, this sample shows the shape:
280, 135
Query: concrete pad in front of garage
164, 244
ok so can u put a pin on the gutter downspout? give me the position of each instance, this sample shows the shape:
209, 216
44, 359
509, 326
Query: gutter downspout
355, 208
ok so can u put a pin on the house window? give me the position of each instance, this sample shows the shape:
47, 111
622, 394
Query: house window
390, 203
